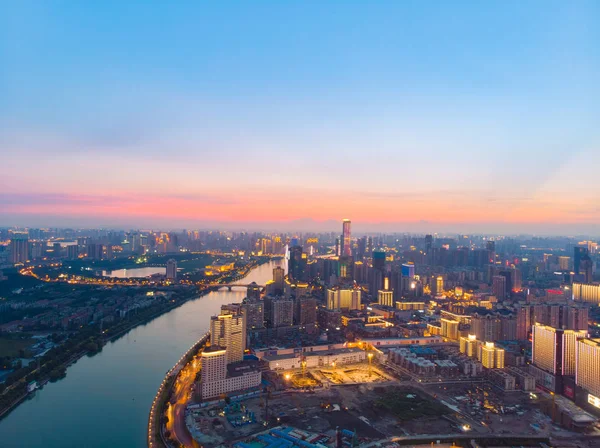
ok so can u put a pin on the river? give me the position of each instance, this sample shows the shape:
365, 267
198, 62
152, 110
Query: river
104, 400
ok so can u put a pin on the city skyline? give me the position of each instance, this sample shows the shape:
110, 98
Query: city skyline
403, 116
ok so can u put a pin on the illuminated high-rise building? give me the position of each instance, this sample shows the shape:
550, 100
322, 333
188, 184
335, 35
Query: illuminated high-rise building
468, 345
172, 269
491, 356
385, 297
587, 373
553, 349
19, 247
449, 328
229, 331
344, 299
346, 249
583, 292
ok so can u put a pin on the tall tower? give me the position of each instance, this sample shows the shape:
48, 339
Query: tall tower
346, 238
19, 248
229, 331
172, 269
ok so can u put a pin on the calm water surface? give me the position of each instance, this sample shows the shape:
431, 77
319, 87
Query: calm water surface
104, 400
135, 272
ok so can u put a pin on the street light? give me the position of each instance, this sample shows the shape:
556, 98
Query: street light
370, 356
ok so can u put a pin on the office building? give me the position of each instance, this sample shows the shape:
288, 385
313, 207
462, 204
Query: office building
282, 312
305, 311
523, 322
278, 278
254, 314
346, 249
297, 265
564, 263
554, 349
491, 249
218, 378
468, 345
385, 298
253, 291
585, 292
19, 247
587, 374
439, 285
586, 267
579, 252
341, 298
72, 252
229, 331
494, 327
172, 270
491, 356
379, 260
408, 270
499, 287
449, 328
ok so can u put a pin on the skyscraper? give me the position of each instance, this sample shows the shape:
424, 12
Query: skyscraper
297, 265
588, 368
229, 331
346, 248
499, 286
19, 248
385, 297
253, 291
254, 314
553, 349
278, 277
344, 299
172, 269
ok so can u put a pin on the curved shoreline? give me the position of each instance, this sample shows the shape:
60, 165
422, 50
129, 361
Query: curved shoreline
155, 426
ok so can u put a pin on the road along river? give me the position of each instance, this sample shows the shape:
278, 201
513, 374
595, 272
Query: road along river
104, 400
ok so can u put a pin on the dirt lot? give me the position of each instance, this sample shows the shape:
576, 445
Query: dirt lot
373, 411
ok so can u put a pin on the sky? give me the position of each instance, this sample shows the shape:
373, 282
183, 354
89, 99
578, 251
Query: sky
400, 115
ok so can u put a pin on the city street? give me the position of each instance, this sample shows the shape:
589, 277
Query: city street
176, 411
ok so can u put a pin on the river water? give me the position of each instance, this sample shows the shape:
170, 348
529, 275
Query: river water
104, 400
135, 272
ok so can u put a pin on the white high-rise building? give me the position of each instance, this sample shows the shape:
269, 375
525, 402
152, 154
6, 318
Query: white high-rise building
229, 331
218, 379
554, 349
587, 374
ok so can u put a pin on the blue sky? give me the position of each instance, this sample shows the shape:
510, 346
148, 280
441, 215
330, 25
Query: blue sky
444, 112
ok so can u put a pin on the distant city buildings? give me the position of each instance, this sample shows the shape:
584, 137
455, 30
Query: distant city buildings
171, 270
19, 247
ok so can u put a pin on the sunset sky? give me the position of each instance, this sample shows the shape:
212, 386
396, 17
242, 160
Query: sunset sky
401, 115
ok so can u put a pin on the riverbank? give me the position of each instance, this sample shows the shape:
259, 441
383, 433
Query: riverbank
156, 422
116, 386
16, 393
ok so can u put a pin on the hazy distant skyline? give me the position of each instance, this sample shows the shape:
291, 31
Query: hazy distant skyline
448, 116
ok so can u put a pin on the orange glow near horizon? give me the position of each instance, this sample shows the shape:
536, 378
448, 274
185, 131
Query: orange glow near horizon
278, 206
